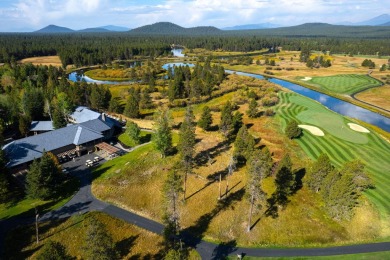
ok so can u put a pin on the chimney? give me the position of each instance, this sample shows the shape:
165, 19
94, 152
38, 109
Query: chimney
103, 117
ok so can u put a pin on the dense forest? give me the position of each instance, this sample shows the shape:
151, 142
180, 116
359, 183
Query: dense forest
83, 49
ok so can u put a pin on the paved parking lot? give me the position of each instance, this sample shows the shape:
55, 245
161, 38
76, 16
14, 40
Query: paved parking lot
78, 164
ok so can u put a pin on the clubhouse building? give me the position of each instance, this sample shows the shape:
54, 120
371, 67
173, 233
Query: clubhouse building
88, 132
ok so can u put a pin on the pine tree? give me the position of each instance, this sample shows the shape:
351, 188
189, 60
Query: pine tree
133, 131
292, 130
259, 167
132, 104
162, 137
59, 120
206, 119
318, 171
115, 105
44, 177
98, 243
284, 180
226, 124
253, 111
237, 121
53, 250
171, 218
244, 144
186, 145
146, 100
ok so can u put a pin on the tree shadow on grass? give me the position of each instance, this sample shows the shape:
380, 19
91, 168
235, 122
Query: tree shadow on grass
124, 246
223, 250
194, 234
204, 187
207, 156
96, 173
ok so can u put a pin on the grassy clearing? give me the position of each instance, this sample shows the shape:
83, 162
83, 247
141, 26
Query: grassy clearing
344, 84
19, 205
342, 147
131, 241
109, 74
135, 181
144, 138
377, 96
45, 60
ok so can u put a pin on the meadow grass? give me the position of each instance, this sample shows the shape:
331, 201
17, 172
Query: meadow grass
130, 241
344, 84
44, 60
109, 74
377, 96
135, 180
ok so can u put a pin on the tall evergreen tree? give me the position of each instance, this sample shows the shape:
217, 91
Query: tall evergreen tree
115, 105
284, 180
206, 119
253, 110
186, 145
133, 131
98, 243
162, 136
226, 125
318, 172
44, 177
244, 144
171, 218
59, 120
132, 104
259, 167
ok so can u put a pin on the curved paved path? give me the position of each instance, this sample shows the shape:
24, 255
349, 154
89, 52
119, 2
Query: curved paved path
83, 201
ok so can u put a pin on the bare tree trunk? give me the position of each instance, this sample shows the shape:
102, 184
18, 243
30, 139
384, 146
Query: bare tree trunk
250, 214
227, 186
220, 180
36, 225
185, 186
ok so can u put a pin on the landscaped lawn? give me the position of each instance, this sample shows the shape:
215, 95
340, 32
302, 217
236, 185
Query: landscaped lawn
366, 256
342, 144
343, 84
26, 207
145, 136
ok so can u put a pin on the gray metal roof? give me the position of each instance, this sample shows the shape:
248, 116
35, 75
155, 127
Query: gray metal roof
83, 114
29, 148
41, 126
97, 125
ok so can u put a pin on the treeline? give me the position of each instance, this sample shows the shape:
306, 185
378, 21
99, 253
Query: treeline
94, 48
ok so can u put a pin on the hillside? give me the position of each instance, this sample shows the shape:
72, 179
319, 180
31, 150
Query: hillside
94, 30
54, 29
251, 26
385, 24
322, 30
171, 28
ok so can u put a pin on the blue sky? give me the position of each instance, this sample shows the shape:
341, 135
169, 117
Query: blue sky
24, 15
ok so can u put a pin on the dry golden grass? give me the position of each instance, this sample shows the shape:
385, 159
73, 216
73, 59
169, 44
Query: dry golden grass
377, 96
45, 60
131, 241
135, 183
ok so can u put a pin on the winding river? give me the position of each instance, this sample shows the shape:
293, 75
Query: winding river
337, 105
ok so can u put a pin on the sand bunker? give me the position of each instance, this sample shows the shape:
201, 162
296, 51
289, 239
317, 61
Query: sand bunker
358, 128
312, 129
306, 79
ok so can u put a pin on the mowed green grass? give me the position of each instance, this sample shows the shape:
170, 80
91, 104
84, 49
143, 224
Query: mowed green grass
365, 256
341, 144
344, 84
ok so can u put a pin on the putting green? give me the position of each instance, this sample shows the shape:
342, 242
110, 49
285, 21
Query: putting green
343, 84
341, 143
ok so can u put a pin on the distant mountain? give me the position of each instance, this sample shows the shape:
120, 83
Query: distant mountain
251, 26
171, 28
54, 29
98, 29
115, 28
379, 20
385, 24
